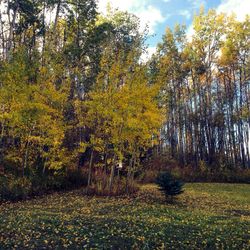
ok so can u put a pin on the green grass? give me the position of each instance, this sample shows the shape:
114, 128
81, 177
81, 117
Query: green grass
206, 216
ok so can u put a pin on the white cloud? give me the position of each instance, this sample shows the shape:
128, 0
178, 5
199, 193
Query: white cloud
196, 4
148, 14
121, 4
185, 13
240, 7
190, 33
147, 55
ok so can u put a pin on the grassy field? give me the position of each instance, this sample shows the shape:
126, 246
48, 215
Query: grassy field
206, 216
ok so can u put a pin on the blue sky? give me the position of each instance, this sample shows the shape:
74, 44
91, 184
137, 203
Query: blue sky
159, 14
177, 11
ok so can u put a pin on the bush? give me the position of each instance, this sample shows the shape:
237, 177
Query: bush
168, 185
148, 176
3, 187
100, 187
15, 189
48, 183
77, 178
20, 188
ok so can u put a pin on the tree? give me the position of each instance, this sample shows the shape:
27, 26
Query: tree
168, 185
32, 121
204, 90
118, 113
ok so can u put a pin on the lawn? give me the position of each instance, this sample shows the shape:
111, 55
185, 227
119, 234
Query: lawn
206, 216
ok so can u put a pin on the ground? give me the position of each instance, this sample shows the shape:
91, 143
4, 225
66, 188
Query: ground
206, 216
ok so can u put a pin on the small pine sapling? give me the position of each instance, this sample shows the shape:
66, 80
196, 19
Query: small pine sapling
168, 185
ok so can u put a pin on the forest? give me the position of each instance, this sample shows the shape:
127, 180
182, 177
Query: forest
79, 106
103, 146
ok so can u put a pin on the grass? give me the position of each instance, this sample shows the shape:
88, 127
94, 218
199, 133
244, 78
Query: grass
206, 216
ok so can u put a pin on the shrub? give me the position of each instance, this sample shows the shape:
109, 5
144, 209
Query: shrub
20, 188
3, 187
15, 189
77, 178
100, 187
168, 185
147, 176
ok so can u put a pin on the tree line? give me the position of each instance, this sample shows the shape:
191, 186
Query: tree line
75, 93
205, 81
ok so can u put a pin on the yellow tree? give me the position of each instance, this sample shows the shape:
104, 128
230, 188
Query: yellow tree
122, 112
33, 114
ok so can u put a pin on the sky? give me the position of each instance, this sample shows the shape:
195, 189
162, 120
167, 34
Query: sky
159, 14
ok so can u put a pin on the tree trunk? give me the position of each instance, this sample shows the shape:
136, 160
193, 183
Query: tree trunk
90, 168
129, 174
112, 174
11, 31
25, 158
